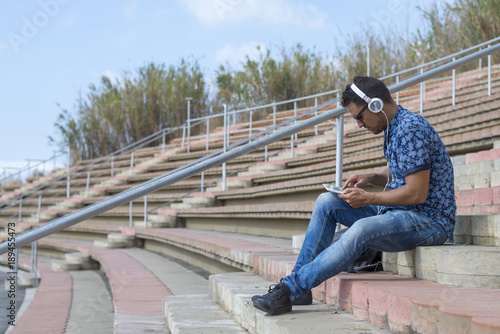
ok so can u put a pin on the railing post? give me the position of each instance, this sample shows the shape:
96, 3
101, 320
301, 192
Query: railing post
291, 148
188, 99
34, 267
29, 170
132, 163
480, 60
274, 116
112, 166
202, 180
265, 153
295, 115
68, 176
453, 84
130, 214
225, 148
146, 211
489, 73
340, 148
207, 144
20, 207
163, 142
39, 208
87, 185
183, 136
316, 114
250, 127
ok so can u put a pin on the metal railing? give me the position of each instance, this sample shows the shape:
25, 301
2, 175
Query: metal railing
40, 190
175, 176
24, 172
186, 128
87, 168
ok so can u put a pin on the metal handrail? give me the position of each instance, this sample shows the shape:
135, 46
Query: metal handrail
166, 180
86, 168
192, 122
268, 105
40, 190
448, 57
29, 167
396, 74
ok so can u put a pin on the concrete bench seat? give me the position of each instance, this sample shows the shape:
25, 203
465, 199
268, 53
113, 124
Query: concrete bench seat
137, 292
49, 310
181, 185
259, 219
400, 304
139, 153
304, 188
152, 198
345, 290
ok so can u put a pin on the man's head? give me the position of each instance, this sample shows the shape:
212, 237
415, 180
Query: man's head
373, 88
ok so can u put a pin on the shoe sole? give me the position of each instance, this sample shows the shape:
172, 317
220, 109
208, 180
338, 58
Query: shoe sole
308, 301
257, 305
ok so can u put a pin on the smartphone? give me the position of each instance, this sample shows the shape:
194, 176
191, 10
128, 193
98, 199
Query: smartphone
333, 189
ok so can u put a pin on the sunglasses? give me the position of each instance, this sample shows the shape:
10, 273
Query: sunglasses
358, 116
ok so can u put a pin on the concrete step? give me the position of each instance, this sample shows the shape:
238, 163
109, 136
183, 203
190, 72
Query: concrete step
483, 230
197, 314
462, 265
83, 260
234, 291
400, 304
91, 304
454, 265
215, 251
270, 219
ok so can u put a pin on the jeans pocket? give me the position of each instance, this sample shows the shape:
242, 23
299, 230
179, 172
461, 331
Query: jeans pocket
435, 239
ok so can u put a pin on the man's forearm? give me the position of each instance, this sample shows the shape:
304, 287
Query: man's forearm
379, 179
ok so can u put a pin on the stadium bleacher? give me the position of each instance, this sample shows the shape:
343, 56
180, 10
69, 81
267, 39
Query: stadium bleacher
232, 244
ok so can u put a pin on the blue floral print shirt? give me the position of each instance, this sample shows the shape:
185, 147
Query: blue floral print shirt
413, 145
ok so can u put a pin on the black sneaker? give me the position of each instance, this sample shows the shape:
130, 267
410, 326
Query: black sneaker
304, 299
276, 301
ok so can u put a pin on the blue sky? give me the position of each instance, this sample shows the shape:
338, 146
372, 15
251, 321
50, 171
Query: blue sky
52, 50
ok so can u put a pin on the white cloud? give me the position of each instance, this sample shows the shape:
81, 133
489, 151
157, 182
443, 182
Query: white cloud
214, 12
130, 10
4, 46
68, 19
235, 55
162, 12
123, 38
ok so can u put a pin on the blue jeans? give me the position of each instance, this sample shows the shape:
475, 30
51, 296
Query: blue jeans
393, 231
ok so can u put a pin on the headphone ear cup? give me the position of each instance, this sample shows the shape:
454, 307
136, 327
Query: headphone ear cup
376, 105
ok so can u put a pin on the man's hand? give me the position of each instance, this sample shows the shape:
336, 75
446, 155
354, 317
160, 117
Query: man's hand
356, 197
413, 192
356, 181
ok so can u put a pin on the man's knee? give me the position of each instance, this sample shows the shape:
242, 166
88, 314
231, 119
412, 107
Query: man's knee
326, 200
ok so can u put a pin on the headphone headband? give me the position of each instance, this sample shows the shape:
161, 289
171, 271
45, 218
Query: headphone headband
374, 104
360, 93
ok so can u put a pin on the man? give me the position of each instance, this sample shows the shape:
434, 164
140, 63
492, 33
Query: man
417, 210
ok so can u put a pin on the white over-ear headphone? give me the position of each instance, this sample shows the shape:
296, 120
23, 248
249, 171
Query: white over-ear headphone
374, 104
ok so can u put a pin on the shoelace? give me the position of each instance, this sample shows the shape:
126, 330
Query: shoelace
274, 287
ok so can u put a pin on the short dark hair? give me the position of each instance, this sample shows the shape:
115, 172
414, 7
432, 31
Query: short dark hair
372, 87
